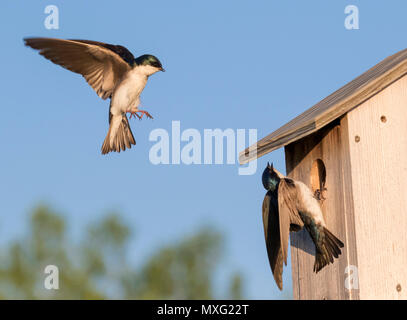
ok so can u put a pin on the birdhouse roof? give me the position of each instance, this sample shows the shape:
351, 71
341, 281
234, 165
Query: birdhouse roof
332, 107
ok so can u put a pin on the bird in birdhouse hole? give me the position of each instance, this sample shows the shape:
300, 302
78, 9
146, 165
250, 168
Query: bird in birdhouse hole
290, 205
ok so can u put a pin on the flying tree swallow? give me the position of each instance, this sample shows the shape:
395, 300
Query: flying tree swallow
290, 205
113, 72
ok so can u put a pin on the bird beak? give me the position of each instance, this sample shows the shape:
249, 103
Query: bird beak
162, 69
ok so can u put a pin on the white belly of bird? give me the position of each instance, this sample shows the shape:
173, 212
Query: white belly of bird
307, 204
126, 98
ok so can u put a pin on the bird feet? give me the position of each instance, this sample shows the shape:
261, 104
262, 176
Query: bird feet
320, 194
143, 112
134, 114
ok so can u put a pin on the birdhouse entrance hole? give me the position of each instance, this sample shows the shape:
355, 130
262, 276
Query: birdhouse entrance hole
318, 179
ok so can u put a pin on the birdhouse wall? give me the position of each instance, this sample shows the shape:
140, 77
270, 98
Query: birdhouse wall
365, 158
328, 148
377, 132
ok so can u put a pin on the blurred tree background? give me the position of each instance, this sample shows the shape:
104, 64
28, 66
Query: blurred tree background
98, 267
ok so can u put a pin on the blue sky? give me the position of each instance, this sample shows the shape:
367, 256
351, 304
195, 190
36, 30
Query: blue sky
230, 64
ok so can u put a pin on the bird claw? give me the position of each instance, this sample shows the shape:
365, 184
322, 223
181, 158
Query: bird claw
143, 112
134, 114
319, 194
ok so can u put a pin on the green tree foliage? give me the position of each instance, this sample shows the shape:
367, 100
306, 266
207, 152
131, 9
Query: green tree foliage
97, 267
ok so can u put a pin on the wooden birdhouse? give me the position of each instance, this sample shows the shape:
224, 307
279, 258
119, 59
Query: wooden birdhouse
351, 148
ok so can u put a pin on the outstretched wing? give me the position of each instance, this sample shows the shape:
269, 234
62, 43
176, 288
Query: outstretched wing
272, 237
288, 213
123, 52
102, 65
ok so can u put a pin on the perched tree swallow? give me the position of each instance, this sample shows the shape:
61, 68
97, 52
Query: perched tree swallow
289, 205
113, 72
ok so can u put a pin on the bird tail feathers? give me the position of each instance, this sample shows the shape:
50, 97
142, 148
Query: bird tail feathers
119, 137
329, 249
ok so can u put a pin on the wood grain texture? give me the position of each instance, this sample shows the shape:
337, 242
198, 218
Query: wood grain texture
327, 146
337, 104
379, 183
